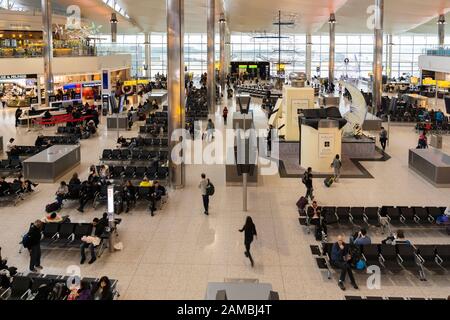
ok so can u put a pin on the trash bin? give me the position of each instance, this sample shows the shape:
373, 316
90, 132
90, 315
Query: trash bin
436, 141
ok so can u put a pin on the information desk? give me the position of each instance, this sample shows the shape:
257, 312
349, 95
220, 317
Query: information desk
239, 291
362, 148
52, 163
114, 122
432, 164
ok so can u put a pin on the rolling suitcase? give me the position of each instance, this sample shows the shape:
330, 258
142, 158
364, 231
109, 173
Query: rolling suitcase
328, 181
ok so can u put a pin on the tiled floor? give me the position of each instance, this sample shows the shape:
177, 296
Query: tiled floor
176, 253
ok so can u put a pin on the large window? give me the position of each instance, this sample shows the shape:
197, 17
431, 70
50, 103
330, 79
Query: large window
357, 48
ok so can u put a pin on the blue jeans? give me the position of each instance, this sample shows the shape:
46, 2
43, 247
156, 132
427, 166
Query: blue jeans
83, 247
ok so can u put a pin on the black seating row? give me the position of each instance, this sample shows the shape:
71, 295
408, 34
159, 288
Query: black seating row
389, 257
154, 130
68, 139
150, 142
138, 172
26, 287
133, 154
371, 215
10, 166
25, 151
14, 194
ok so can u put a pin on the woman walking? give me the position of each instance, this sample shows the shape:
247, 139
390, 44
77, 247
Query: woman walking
249, 230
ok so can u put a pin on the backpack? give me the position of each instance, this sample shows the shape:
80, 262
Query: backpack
26, 241
304, 178
301, 203
360, 265
210, 189
318, 233
52, 207
58, 292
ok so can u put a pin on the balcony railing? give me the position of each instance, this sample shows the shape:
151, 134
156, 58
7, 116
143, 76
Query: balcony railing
7, 52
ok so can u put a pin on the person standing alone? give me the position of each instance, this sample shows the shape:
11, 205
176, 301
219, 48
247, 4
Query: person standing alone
307, 181
225, 115
383, 138
336, 165
249, 230
203, 188
32, 241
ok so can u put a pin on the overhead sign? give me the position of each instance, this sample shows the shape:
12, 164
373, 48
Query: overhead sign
242, 66
18, 76
91, 84
253, 66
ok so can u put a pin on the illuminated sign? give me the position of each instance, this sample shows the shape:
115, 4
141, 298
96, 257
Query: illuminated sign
242, 66
253, 66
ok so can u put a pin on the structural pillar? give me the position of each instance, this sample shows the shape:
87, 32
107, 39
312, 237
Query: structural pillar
308, 57
211, 80
441, 30
47, 48
223, 69
332, 49
175, 83
148, 54
377, 85
390, 45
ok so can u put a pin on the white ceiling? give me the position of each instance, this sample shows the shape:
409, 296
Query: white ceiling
258, 15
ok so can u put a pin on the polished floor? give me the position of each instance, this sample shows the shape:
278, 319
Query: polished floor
174, 254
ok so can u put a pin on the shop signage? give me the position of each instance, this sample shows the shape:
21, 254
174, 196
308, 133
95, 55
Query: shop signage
18, 76
91, 84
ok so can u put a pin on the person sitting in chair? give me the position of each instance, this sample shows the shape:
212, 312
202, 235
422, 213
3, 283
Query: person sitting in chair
156, 193
92, 241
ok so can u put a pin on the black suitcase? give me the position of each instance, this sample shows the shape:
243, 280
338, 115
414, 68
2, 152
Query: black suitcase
328, 181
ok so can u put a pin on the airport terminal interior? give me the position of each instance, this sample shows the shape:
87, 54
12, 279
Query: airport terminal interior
225, 149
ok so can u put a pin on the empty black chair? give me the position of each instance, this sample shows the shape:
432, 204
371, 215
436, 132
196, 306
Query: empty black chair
434, 212
343, 214
388, 254
371, 254
393, 214
427, 255
145, 154
61, 130
356, 215
164, 142
148, 141
443, 255
163, 173
384, 209
125, 154
20, 287
117, 172
65, 232
140, 172
329, 214
151, 172
50, 233
38, 282
116, 154
135, 153
421, 214
107, 154
372, 216
407, 215
409, 260
129, 172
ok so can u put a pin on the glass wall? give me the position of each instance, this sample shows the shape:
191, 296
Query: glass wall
357, 48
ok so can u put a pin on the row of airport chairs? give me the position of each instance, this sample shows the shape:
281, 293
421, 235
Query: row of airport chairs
151, 142
138, 172
133, 154
400, 215
25, 287
415, 258
68, 139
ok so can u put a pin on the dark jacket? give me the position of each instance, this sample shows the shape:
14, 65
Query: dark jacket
105, 296
308, 180
34, 235
249, 232
337, 255
100, 228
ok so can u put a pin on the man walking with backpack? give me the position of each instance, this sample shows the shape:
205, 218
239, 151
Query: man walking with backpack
307, 181
207, 190
32, 242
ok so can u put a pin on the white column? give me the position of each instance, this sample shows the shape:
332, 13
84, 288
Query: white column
47, 47
175, 82
308, 56
377, 90
441, 30
148, 54
211, 33
332, 49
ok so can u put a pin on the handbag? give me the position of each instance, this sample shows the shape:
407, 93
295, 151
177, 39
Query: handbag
360, 265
